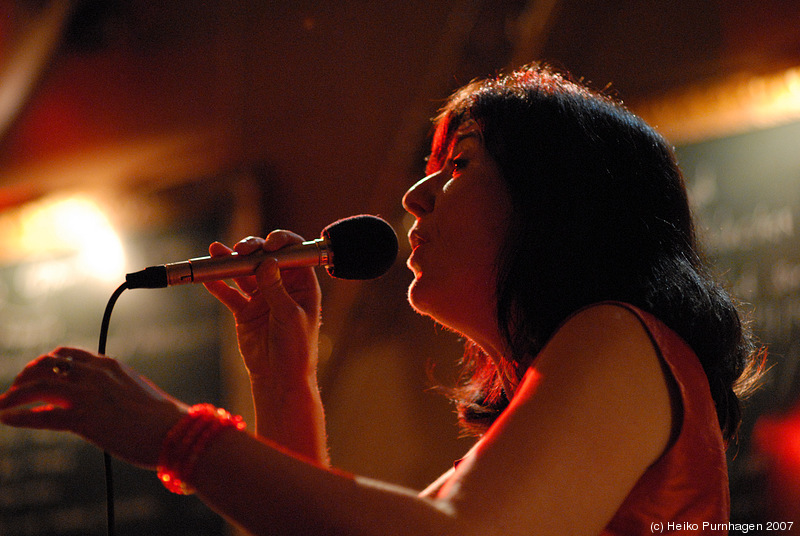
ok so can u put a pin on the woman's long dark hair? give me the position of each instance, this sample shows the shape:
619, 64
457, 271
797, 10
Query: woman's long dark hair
600, 212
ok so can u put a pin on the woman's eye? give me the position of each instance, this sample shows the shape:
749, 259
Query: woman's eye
459, 164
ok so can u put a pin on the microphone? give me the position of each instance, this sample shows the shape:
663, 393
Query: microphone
358, 247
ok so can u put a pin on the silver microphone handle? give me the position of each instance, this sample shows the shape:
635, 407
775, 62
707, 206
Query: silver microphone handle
200, 269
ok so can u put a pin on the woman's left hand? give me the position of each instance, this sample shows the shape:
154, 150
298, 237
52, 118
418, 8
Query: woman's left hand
96, 397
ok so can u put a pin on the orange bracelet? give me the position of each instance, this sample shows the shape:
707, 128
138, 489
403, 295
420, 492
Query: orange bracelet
186, 442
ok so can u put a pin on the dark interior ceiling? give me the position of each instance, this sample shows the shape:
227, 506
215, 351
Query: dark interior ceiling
325, 93
649, 48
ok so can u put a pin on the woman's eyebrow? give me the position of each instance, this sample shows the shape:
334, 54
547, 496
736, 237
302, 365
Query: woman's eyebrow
458, 138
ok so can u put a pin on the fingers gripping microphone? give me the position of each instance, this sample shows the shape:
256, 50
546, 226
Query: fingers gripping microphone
358, 247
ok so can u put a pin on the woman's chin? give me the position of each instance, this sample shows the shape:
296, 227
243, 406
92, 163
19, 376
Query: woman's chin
425, 300
417, 296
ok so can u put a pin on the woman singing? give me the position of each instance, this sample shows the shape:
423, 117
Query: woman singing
603, 369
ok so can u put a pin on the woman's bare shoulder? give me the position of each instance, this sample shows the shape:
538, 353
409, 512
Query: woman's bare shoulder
590, 416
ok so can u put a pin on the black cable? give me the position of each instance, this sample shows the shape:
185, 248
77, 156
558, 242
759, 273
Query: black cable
101, 349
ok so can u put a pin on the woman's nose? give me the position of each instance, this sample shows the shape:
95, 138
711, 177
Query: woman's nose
420, 198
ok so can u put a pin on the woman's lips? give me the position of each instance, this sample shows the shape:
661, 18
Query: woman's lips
416, 240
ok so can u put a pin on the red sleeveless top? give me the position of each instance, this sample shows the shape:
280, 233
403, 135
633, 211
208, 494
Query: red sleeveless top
686, 490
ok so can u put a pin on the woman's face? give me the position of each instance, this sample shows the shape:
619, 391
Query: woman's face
461, 212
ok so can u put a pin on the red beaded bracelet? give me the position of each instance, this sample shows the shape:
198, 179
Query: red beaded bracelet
186, 442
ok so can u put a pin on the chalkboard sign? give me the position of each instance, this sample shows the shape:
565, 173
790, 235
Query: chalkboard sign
746, 195
53, 483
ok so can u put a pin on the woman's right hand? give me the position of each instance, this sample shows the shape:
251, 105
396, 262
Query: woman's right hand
277, 325
276, 313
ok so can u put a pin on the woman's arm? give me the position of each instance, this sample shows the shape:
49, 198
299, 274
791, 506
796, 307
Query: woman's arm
266, 491
583, 426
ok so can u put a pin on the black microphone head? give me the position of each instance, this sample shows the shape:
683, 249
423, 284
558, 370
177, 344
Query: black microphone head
363, 247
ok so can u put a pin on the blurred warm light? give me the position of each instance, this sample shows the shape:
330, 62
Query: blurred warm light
71, 226
777, 440
735, 106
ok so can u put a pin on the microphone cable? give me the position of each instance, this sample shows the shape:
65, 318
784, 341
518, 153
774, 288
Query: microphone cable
101, 349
